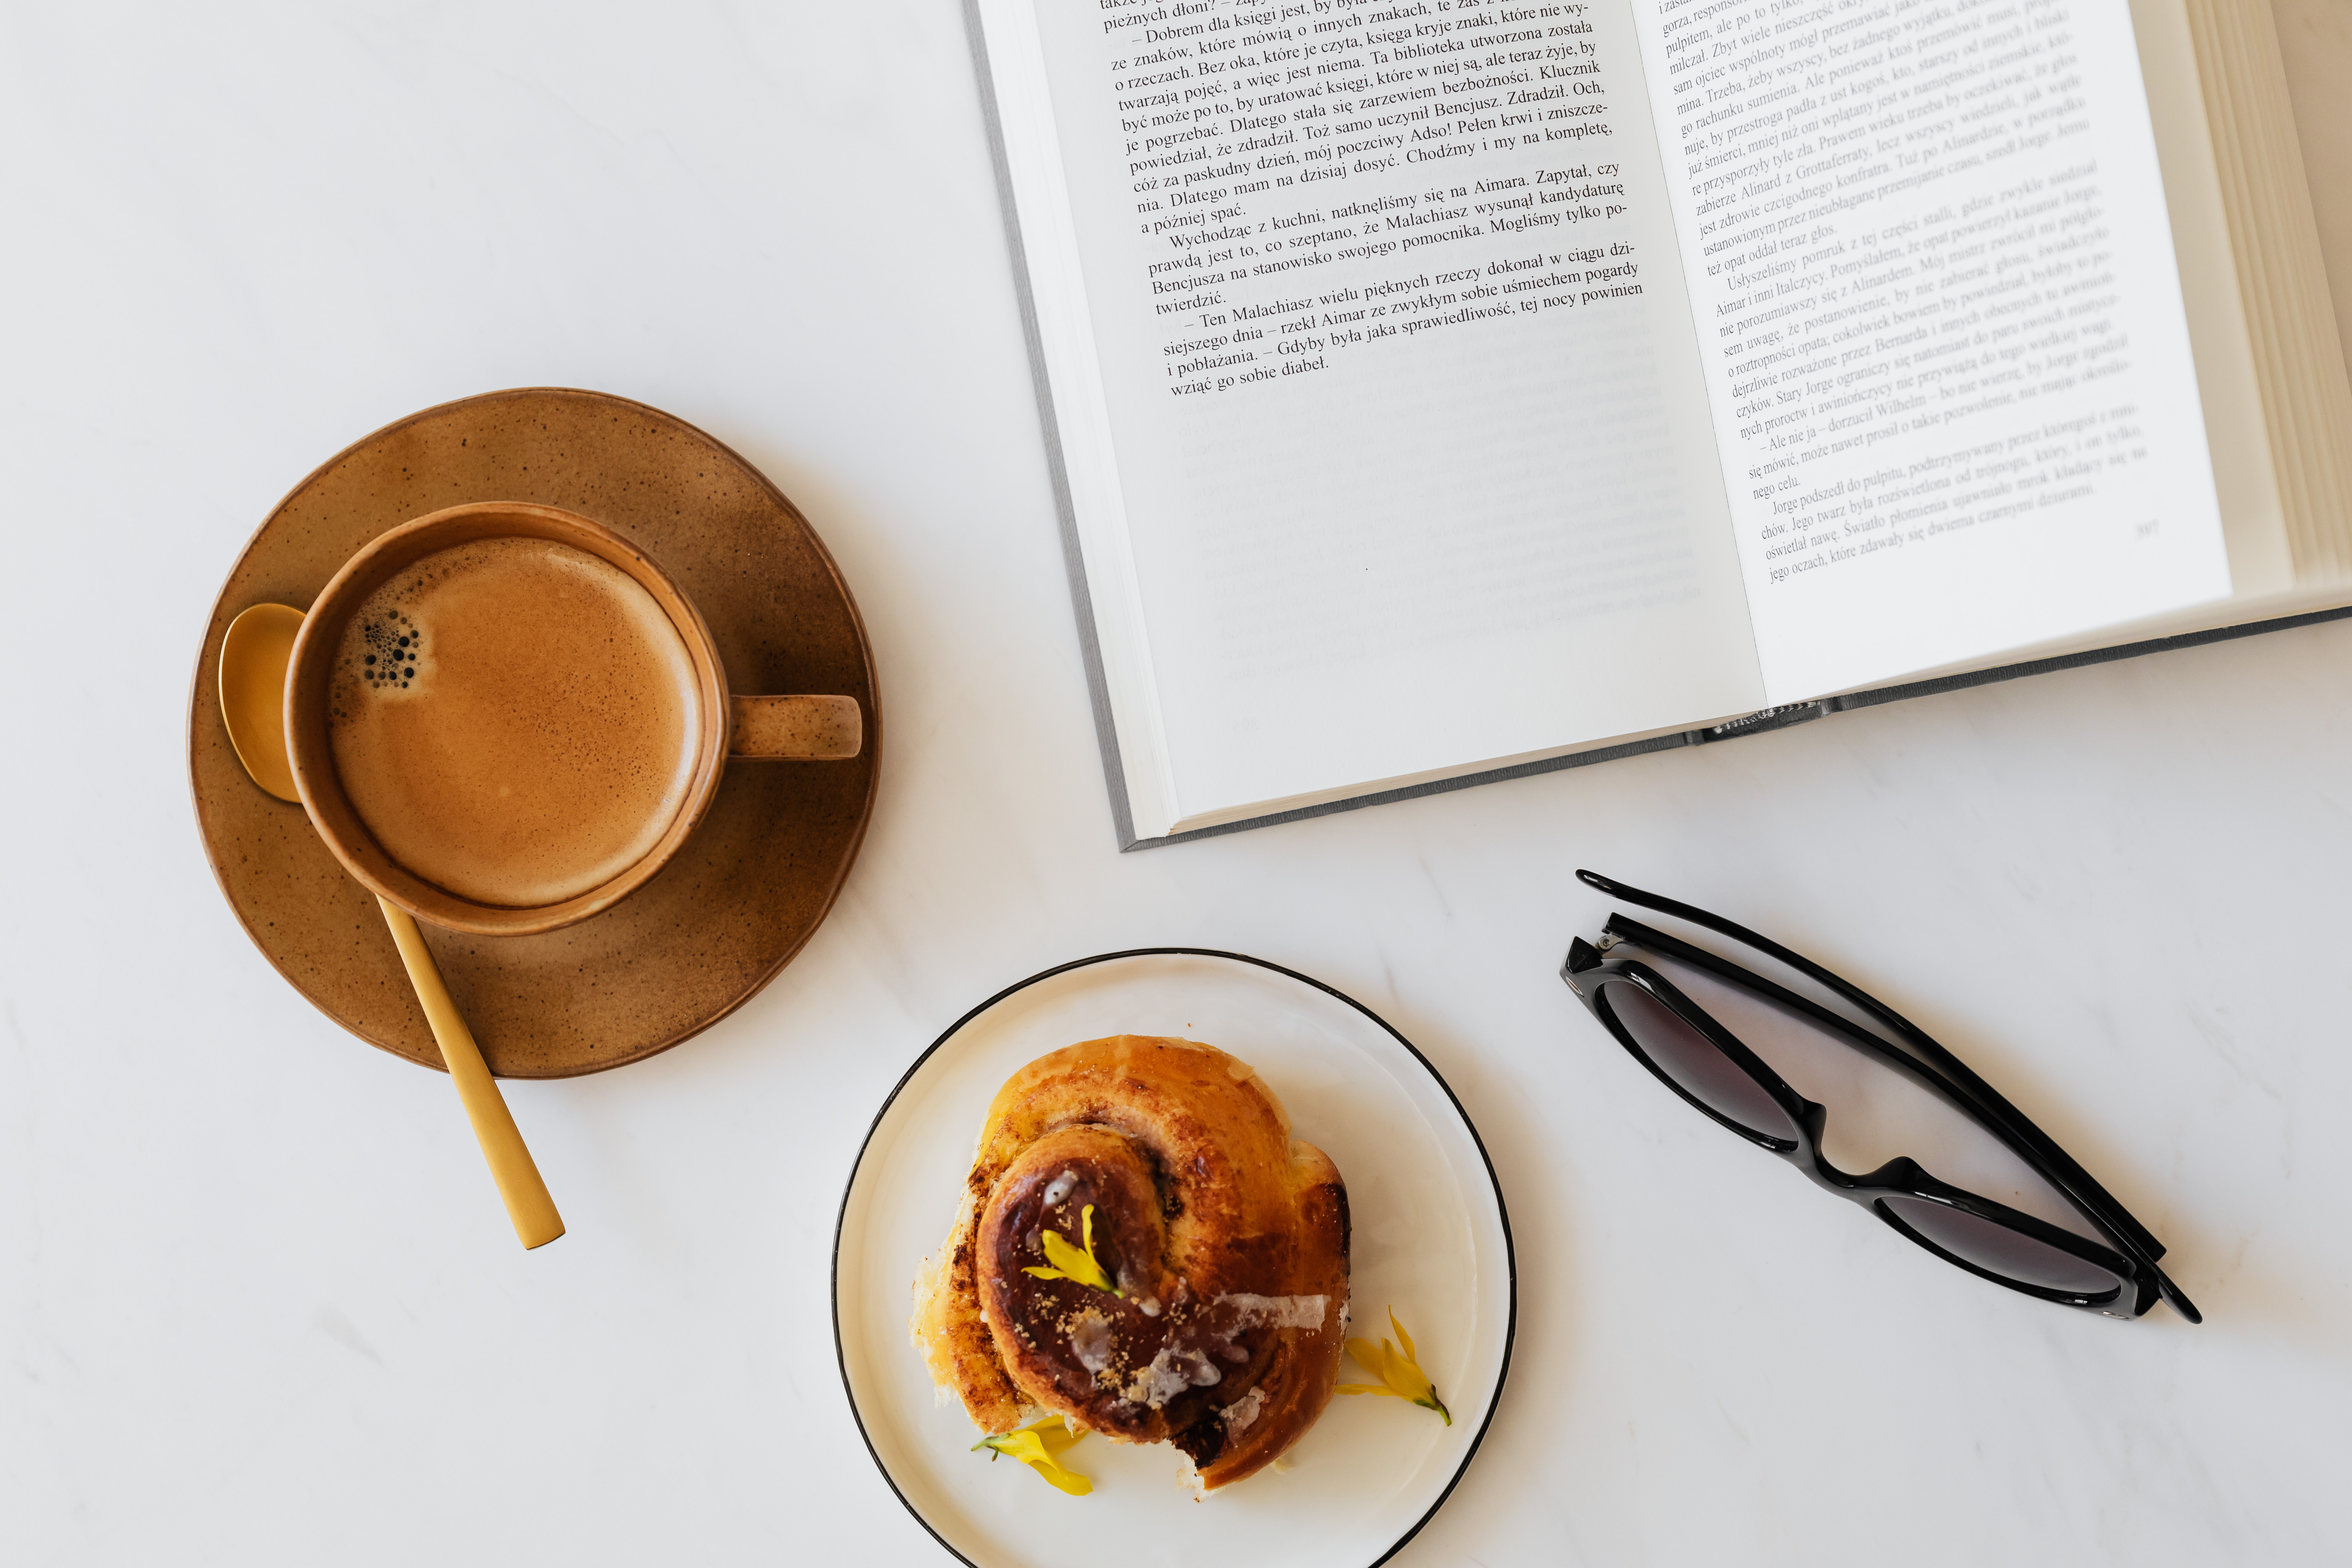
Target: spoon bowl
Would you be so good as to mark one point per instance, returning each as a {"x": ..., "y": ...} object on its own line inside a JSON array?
[{"x": 253, "y": 660}]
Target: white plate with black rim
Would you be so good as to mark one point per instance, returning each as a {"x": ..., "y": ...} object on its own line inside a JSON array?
[{"x": 1430, "y": 1239}]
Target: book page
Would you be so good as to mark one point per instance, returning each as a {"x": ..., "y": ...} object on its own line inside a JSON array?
[
  {"x": 1942, "y": 325},
  {"x": 1413, "y": 468}
]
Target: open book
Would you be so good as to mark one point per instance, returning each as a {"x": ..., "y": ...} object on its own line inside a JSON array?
[{"x": 1447, "y": 386}]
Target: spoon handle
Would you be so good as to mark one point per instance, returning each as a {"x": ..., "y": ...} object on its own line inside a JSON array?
[{"x": 533, "y": 1212}]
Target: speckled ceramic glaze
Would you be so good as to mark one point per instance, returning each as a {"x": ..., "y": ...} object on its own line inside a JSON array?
[{"x": 742, "y": 895}]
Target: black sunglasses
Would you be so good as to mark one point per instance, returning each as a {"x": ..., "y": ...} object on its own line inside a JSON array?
[{"x": 1705, "y": 1062}]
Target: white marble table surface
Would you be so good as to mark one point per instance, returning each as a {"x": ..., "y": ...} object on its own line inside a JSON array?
[{"x": 257, "y": 1302}]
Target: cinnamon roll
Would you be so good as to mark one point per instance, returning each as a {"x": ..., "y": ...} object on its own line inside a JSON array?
[{"x": 1142, "y": 1248}]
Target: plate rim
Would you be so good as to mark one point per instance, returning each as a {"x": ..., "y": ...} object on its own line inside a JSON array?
[{"x": 1494, "y": 1182}]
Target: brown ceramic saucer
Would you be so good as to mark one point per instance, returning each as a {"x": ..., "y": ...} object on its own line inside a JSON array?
[{"x": 746, "y": 891}]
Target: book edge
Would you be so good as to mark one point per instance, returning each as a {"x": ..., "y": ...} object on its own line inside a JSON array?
[
  {"x": 2275, "y": 236},
  {"x": 1766, "y": 719}
]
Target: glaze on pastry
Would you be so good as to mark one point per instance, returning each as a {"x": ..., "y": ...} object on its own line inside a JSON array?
[{"x": 1225, "y": 1239}]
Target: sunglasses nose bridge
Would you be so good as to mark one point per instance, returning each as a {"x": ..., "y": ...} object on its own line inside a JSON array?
[
  {"x": 1811, "y": 1118},
  {"x": 1902, "y": 1173}
]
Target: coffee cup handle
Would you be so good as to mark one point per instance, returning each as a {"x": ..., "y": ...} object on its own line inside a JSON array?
[{"x": 797, "y": 728}]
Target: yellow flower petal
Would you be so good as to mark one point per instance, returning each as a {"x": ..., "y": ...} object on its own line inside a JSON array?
[
  {"x": 1069, "y": 1263},
  {"x": 1399, "y": 1372},
  {"x": 1025, "y": 1446},
  {"x": 1403, "y": 1339},
  {"x": 1035, "y": 1446},
  {"x": 1069, "y": 1481},
  {"x": 1406, "y": 1374}
]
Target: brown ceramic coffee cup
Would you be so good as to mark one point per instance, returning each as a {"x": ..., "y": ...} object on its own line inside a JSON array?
[{"x": 505, "y": 718}]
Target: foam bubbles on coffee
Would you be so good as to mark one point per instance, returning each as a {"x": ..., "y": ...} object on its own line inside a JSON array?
[
  {"x": 394, "y": 644},
  {"x": 515, "y": 720}
]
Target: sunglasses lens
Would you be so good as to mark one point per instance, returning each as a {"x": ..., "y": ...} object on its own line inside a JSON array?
[
  {"x": 1999, "y": 1250},
  {"x": 1689, "y": 1061}
]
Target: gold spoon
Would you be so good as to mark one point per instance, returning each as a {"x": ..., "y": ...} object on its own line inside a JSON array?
[{"x": 253, "y": 705}]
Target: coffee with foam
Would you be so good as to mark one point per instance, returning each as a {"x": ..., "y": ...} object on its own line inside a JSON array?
[{"x": 515, "y": 720}]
